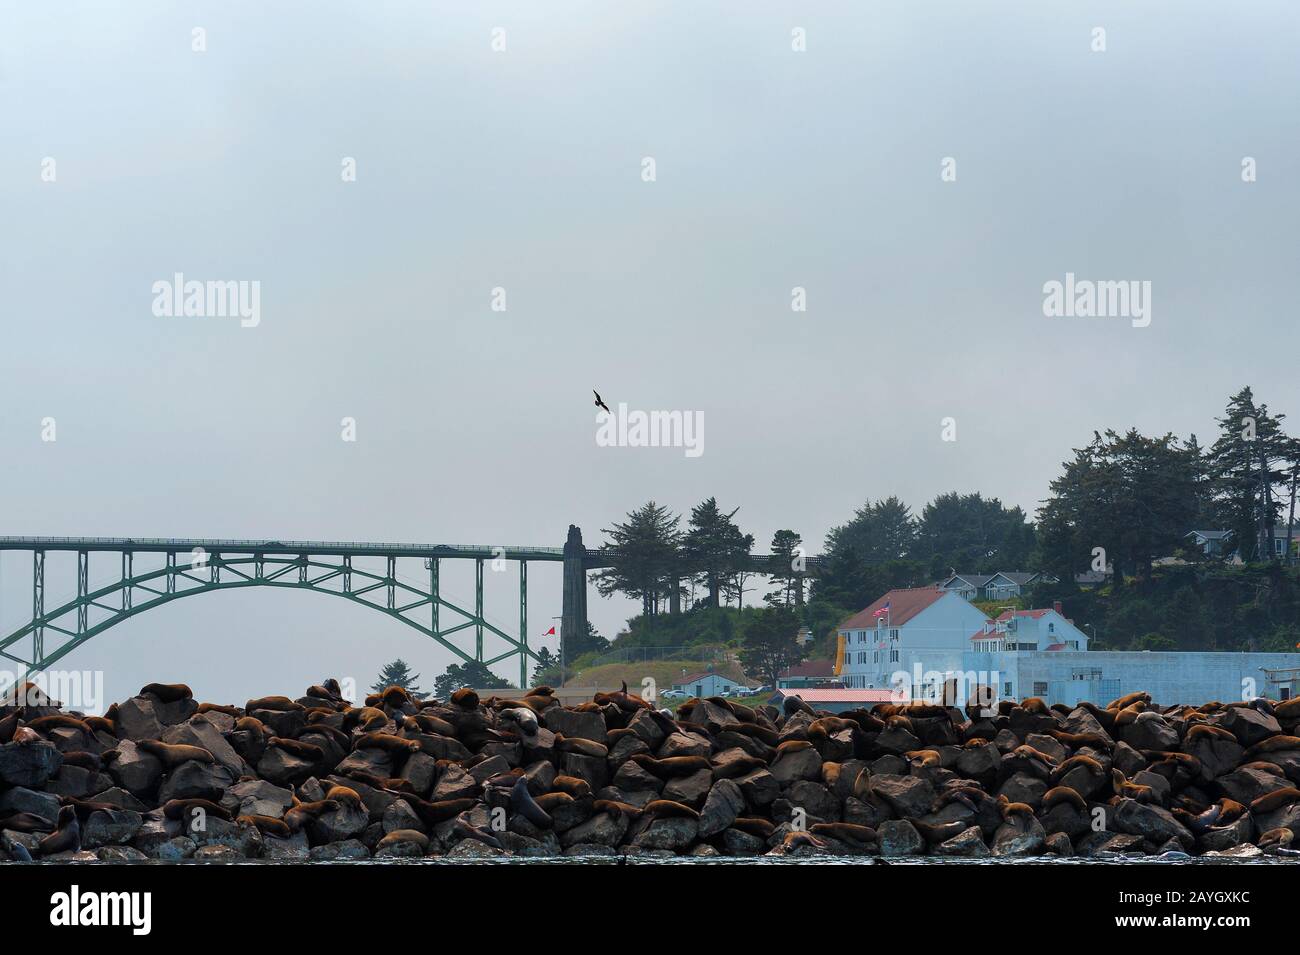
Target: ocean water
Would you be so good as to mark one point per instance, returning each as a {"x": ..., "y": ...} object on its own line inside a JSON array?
[{"x": 724, "y": 860}]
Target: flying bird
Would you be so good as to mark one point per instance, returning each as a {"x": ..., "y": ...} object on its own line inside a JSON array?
[{"x": 599, "y": 402}]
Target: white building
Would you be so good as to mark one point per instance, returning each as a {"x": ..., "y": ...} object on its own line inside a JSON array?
[
  {"x": 927, "y": 643},
  {"x": 708, "y": 684},
  {"x": 904, "y": 626}
]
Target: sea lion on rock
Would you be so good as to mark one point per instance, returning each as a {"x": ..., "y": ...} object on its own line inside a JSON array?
[
  {"x": 368, "y": 717},
  {"x": 800, "y": 839},
  {"x": 524, "y": 720},
  {"x": 1060, "y": 794},
  {"x": 1273, "y": 744},
  {"x": 297, "y": 748},
  {"x": 388, "y": 743},
  {"x": 523, "y": 804},
  {"x": 44, "y": 724},
  {"x": 1126, "y": 701},
  {"x": 1275, "y": 800},
  {"x": 575, "y": 787},
  {"x": 167, "y": 692},
  {"x": 465, "y": 698},
  {"x": 754, "y": 826},
  {"x": 66, "y": 836},
  {"x": 615, "y": 808},
  {"x": 427, "y": 723},
  {"x": 1279, "y": 838},
  {"x": 218, "y": 708},
  {"x": 172, "y": 755},
  {"x": 185, "y": 809},
  {"x": 267, "y": 824},
  {"x": 849, "y": 832},
  {"x": 553, "y": 801},
  {"x": 669, "y": 809},
  {"x": 276, "y": 704},
  {"x": 583, "y": 747}
]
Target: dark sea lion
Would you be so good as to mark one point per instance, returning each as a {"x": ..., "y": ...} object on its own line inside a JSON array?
[
  {"x": 671, "y": 767},
  {"x": 1060, "y": 794},
  {"x": 8, "y": 726},
  {"x": 44, "y": 724},
  {"x": 1275, "y": 800},
  {"x": 800, "y": 839},
  {"x": 101, "y": 724},
  {"x": 583, "y": 747},
  {"x": 297, "y": 748},
  {"x": 167, "y": 692},
  {"x": 575, "y": 787},
  {"x": 845, "y": 832},
  {"x": 91, "y": 761},
  {"x": 404, "y": 835},
  {"x": 1274, "y": 744},
  {"x": 754, "y": 826},
  {"x": 523, "y": 804},
  {"x": 432, "y": 813},
  {"x": 24, "y": 821},
  {"x": 615, "y": 808},
  {"x": 66, "y": 837},
  {"x": 184, "y": 809},
  {"x": 19, "y": 853},
  {"x": 553, "y": 801}
]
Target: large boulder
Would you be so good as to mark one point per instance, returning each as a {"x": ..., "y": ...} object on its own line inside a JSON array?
[
  {"x": 898, "y": 837},
  {"x": 906, "y": 795},
  {"x": 722, "y": 807},
  {"x": 1151, "y": 731},
  {"x": 1153, "y": 823},
  {"x": 576, "y": 725},
  {"x": 137, "y": 719},
  {"x": 28, "y": 764},
  {"x": 110, "y": 827},
  {"x": 195, "y": 780},
  {"x": 258, "y": 797},
  {"x": 1249, "y": 725}
]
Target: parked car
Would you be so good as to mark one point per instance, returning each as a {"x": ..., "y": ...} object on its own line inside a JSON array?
[{"x": 673, "y": 694}]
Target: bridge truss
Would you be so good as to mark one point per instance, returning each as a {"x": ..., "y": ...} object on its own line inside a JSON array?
[{"x": 195, "y": 566}]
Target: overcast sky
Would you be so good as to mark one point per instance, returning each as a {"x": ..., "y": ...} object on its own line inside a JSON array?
[{"x": 522, "y": 169}]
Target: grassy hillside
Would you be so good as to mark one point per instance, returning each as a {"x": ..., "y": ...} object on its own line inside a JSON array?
[{"x": 664, "y": 673}]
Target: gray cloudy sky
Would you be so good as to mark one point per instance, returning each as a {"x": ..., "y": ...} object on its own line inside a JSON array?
[{"x": 522, "y": 169}]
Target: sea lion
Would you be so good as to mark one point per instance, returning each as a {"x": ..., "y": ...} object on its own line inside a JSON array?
[
  {"x": 27, "y": 735},
  {"x": 297, "y": 748},
  {"x": 1275, "y": 800},
  {"x": 1060, "y": 794},
  {"x": 185, "y": 809},
  {"x": 267, "y": 824},
  {"x": 740, "y": 766},
  {"x": 388, "y": 743},
  {"x": 251, "y": 724},
  {"x": 1035, "y": 705},
  {"x": 218, "y": 708},
  {"x": 1126, "y": 701},
  {"x": 799, "y": 839},
  {"x": 1273, "y": 744},
  {"x": 432, "y": 813},
  {"x": 1279, "y": 838},
  {"x": 340, "y": 738},
  {"x": 922, "y": 758},
  {"x": 754, "y": 826},
  {"x": 19, "y": 853},
  {"x": 1014, "y": 812},
  {"x": 396, "y": 697},
  {"x": 368, "y": 717},
  {"x": 1078, "y": 759},
  {"x": 935, "y": 833},
  {"x": 849, "y": 832},
  {"x": 1077, "y": 740},
  {"x": 624, "y": 700},
  {"x": 615, "y": 808},
  {"x": 1200, "y": 731},
  {"x": 172, "y": 755},
  {"x": 427, "y": 723},
  {"x": 1128, "y": 790},
  {"x": 167, "y": 692},
  {"x": 583, "y": 747},
  {"x": 524, "y": 720},
  {"x": 465, "y": 698},
  {"x": 523, "y": 804},
  {"x": 44, "y": 724},
  {"x": 404, "y": 835},
  {"x": 553, "y": 801},
  {"x": 24, "y": 821},
  {"x": 101, "y": 724},
  {"x": 276, "y": 704},
  {"x": 764, "y": 734},
  {"x": 91, "y": 761},
  {"x": 669, "y": 809},
  {"x": 304, "y": 812},
  {"x": 575, "y": 787},
  {"x": 66, "y": 836}
]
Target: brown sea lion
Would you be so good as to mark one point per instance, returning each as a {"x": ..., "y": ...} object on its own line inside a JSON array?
[
  {"x": 44, "y": 724},
  {"x": 615, "y": 808},
  {"x": 800, "y": 839},
  {"x": 583, "y": 747},
  {"x": 267, "y": 824},
  {"x": 1060, "y": 794},
  {"x": 848, "y": 832},
  {"x": 575, "y": 787},
  {"x": 277, "y": 704},
  {"x": 669, "y": 809},
  {"x": 1274, "y": 744},
  {"x": 465, "y": 698},
  {"x": 66, "y": 836},
  {"x": 672, "y": 766},
  {"x": 1126, "y": 701},
  {"x": 1279, "y": 838},
  {"x": 101, "y": 724},
  {"x": 172, "y": 755},
  {"x": 369, "y": 718},
  {"x": 1275, "y": 800},
  {"x": 218, "y": 708},
  {"x": 388, "y": 743},
  {"x": 754, "y": 826}
]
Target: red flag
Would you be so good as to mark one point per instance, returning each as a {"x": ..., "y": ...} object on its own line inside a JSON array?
[{"x": 549, "y": 633}]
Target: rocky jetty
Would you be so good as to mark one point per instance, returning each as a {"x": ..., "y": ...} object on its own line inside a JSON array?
[{"x": 162, "y": 776}]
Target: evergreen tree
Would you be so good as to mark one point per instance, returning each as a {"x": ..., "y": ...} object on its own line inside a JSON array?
[
  {"x": 646, "y": 546},
  {"x": 1248, "y": 463},
  {"x": 785, "y": 544},
  {"x": 471, "y": 674},
  {"x": 967, "y": 533},
  {"x": 397, "y": 673},
  {"x": 715, "y": 548},
  {"x": 881, "y": 531},
  {"x": 768, "y": 644}
]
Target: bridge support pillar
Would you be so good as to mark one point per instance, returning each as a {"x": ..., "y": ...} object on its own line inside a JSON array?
[{"x": 573, "y": 623}]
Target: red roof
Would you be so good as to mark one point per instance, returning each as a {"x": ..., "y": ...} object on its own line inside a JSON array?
[
  {"x": 809, "y": 668},
  {"x": 1057, "y": 646},
  {"x": 903, "y": 606},
  {"x": 1031, "y": 614},
  {"x": 841, "y": 696}
]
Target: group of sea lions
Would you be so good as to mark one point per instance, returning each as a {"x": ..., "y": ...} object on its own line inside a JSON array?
[{"x": 398, "y": 775}]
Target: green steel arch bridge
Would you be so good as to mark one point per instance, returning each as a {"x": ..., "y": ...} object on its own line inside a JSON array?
[{"x": 202, "y": 565}]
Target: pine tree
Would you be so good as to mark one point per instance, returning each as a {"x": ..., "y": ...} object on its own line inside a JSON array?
[
  {"x": 644, "y": 549},
  {"x": 1248, "y": 463},
  {"x": 397, "y": 673},
  {"x": 785, "y": 543},
  {"x": 715, "y": 548}
]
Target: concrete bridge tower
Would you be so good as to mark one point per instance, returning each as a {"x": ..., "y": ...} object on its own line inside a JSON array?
[{"x": 573, "y": 623}]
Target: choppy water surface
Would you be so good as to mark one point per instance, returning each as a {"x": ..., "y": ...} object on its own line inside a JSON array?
[{"x": 729, "y": 860}]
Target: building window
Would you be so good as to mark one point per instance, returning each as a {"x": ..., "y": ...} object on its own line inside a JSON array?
[
  {"x": 1051, "y": 628},
  {"x": 875, "y": 656},
  {"x": 893, "y": 635},
  {"x": 1040, "y": 689},
  {"x": 1006, "y": 689},
  {"x": 893, "y": 656}
]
